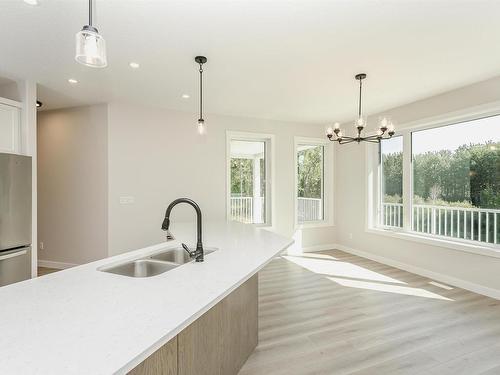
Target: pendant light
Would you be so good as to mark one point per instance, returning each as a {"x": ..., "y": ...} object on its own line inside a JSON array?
[
  {"x": 90, "y": 45},
  {"x": 202, "y": 128}
]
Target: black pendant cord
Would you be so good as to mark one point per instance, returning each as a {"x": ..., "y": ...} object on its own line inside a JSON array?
[
  {"x": 360, "y": 88},
  {"x": 201, "y": 91},
  {"x": 90, "y": 12},
  {"x": 359, "y": 127}
]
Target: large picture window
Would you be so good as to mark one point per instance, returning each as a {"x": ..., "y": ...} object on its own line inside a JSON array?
[
  {"x": 443, "y": 181},
  {"x": 456, "y": 180}
]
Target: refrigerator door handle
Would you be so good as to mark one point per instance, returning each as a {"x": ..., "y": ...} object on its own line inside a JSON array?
[{"x": 12, "y": 255}]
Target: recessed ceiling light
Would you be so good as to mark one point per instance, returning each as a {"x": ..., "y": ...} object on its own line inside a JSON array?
[
  {"x": 185, "y": 96},
  {"x": 134, "y": 65},
  {"x": 32, "y": 2},
  {"x": 72, "y": 81}
]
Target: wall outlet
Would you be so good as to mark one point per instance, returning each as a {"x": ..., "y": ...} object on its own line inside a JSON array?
[
  {"x": 41, "y": 245},
  {"x": 350, "y": 236},
  {"x": 127, "y": 200}
]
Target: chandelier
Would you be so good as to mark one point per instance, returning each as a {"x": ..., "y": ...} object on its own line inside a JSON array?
[{"x": 385, "y": 130}]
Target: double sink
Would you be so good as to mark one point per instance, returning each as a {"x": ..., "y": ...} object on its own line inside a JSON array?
[{"x": 153, "y": 264}]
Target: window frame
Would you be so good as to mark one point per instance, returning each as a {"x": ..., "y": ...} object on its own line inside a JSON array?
[
  {"x": 328, "y": 187},
  {"x": 373, "y": 186},
  {"x": 269, "y": 161}
]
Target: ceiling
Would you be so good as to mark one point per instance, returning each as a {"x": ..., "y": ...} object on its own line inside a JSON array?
[{"x": 275, "y": 59}]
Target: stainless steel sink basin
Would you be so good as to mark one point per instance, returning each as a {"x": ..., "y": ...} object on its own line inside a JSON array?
[
  {"x": 153, "y": 265},
  {"x": 179, "y": 255},
  {"x": 141, "y": 268},
  {"x": 173, "y": 255}
]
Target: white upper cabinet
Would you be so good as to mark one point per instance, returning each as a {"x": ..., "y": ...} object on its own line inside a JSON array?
[{"x": 10, "y": 129}]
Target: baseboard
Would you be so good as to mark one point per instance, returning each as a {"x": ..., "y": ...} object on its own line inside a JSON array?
[
  {"x": 459, "y": 283},
  {"x": 56, "y": 265},
  {"x": 312, "y": 249}
]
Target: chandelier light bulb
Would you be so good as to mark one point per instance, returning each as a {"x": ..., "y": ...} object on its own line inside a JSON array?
[
  {"x": 339, "y": 134},
  {"x": 383, "y": 123},
  {"x": 336, "y": 125},
  {"x": 360, "y": 122},
  {"x": 329, "y": 131}
]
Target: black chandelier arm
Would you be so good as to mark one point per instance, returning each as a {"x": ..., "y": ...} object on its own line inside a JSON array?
[
  {"x": 373, "y": 137},
  {"x": 337, "y": 138},
  {"x": 346, "y": 140},
  {"x": 340, "y": 139},
  {"x": 372, "y": 140}
]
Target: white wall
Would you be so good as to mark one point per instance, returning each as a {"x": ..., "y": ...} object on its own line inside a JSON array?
[
  {"x": 156, "y": 156},
  {"x": 72, "y": 185},
  {"x": 469, "y": 269}
]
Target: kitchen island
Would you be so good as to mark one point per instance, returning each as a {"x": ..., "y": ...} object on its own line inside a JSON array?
[{"x": 85, "y": 321}]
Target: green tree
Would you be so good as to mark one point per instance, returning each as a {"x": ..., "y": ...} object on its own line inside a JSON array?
[
  {"x": 469, "y": 175},
  {"x": 241, "y": 177},
  {"x": 392, "y": 166},
  {"x": 309, "y": 172}
]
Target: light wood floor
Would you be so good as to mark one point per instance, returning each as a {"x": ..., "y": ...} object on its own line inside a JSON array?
[
  {"x": 45, "y": 271},
  {"x": 335, "y": 313}
]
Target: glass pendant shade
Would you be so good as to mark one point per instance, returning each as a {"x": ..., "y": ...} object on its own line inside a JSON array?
[
  {"x": 91, "y": 48},
  {"x": 202, "y": 130}
]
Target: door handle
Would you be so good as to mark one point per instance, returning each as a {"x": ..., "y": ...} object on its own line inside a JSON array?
[{"x": 12, "y": 255}]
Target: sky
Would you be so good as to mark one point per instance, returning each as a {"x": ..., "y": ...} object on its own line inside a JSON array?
[{"x": 449, "y": 137}]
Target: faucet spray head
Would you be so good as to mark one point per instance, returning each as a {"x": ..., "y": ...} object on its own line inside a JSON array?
[{"x": 170, "y": 236}]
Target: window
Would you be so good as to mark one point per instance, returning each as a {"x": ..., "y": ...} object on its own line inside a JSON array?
[
  {"x": 248, "y": 177},
  {"x": 312, "y": 166},
  {"x": 456, "y": 180},
  {"x": 391, "y": 164},
  {"x": 442, "y": 181}
]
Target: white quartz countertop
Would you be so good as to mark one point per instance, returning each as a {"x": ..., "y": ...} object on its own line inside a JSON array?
[{"x": 84, "y": 321}]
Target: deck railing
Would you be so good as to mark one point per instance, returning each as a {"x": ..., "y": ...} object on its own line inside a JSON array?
[
  {"x": 242, "y": 209},
  {"x": 392, "y": 214},
  {"x": 473, "y": 224},
  {"x": 309, "y": 209}
]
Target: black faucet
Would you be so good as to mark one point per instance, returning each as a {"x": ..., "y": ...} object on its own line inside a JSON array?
[{"x": 198, "y": 253}]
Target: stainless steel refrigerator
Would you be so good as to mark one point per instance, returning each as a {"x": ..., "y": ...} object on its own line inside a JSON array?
[{"x": 15, "y": 218}]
